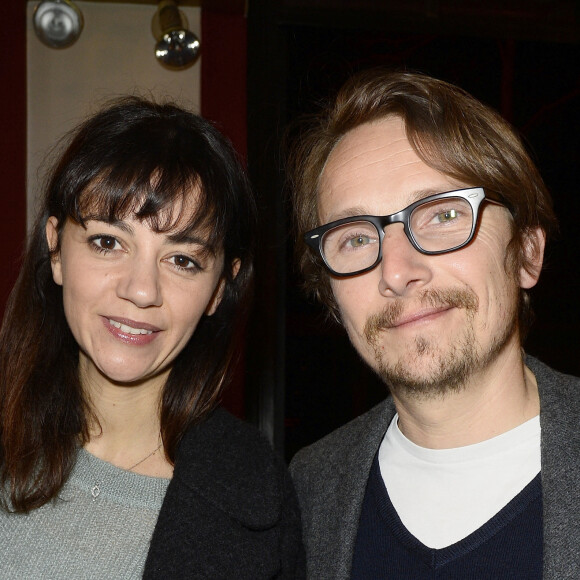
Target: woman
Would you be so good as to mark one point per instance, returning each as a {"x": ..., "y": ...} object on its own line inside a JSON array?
[{"x": 116, "y": 344}]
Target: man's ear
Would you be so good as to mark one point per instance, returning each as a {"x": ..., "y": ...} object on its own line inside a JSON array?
[
  {"x": 52, "y": 239},
  {"x": 534, "y": 243},
  {"x": 219, "y": 291}
]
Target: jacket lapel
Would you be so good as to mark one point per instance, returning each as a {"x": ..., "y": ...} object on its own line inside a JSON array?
[
  {"x": 331, "y": 500},
  {"x": 560, "y": 423}
]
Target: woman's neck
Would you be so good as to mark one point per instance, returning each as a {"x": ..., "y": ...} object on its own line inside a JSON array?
[{"x": 126, "y": 428}]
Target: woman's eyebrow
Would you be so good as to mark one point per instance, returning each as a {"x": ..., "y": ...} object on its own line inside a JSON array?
[
  {"x": 188, "y": 238},
  {"x": 350, "y": 212},
  {"x": 119, "y": 224},
  {"x": 185, "y": 237}
]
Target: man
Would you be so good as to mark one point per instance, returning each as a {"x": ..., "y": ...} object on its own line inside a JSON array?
[{"x": 426, "y": 222}]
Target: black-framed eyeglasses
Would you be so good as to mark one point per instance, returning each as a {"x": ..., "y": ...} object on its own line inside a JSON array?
[{"x": 437, "y": 224}]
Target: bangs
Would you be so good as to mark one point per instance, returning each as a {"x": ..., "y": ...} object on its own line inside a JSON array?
[
  {"x": 157, "y": 164},
  {"x": 168, "y": 201}
]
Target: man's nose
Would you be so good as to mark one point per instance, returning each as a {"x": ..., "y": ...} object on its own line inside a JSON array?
[
  {"x": 140, "y": 283},
  {"x": 402, "y": 266}
]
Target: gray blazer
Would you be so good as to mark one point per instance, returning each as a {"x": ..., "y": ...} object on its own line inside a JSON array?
[{"x": 331, "y": 475}]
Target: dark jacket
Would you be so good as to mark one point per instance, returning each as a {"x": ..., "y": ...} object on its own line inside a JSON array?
[
  {"x": 230, "y": 510},
  {"x": 331, "y": 478}
]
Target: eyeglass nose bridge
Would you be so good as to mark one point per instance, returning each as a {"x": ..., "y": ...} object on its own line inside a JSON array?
[{"x": 400, "y": 217}]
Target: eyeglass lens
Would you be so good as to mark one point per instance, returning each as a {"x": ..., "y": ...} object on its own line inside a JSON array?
[{"x": 436, "y": 226}]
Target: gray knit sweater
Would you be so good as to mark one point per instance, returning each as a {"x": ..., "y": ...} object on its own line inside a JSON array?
[{"x": 81, "y": 536}]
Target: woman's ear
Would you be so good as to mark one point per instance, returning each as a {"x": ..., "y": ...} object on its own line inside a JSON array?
[
  {"x": 236, "y": 267},
  {"x": 216, "y": 298},
  {"x": 52, "y": 240},
  {"x": 534, "y": 243},
  {"x": 219, "y": 291}
]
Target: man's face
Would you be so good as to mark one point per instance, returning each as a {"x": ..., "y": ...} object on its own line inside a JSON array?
[{"x": 426, "y": 324}]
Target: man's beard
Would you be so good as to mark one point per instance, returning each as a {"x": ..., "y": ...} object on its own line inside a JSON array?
[{"x": 453, "y": 365}]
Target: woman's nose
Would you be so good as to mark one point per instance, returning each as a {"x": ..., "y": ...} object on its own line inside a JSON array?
[{"x": 140, "y": 283}]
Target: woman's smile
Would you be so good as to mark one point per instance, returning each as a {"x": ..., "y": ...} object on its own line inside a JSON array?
[{"x": 131, "y": 332}]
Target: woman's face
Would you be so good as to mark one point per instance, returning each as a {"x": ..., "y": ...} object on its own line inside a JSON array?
[{"x": 133, "y": 297}]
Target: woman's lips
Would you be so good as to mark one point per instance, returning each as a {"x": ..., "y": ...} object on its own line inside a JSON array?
[{"x": 130, "y": 331}]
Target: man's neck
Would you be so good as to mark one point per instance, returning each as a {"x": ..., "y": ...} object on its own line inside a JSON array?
[{"x": 495, "y": 400}]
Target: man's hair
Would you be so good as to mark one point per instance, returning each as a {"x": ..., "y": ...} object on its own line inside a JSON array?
[
  {"x": 450, "y": 131},
  {"x": 140, "y": 159}
]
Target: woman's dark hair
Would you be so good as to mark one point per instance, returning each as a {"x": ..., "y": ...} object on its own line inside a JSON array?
[{"x": 136, "y": 158}]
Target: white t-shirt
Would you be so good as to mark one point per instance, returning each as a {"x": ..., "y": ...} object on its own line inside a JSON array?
[{"x": 443, "y": 495}]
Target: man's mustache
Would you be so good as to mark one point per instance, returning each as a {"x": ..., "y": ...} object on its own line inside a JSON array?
[{"x": 393, "y": 312}]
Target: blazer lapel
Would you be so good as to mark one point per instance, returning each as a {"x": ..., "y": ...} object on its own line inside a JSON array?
[
  {"x": 331, "y": 494},
  {"x": 560, "y": 423}
]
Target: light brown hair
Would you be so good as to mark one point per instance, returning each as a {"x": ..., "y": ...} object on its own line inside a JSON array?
[{"x": 449, "y": 130}]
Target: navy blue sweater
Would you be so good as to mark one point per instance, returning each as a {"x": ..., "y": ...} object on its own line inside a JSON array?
[{"x": 507, "y": 547}]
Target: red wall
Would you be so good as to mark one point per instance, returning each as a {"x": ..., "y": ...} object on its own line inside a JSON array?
[
  {"x": 223, "y": 101},
  {"x": 12, "y": 142},
  {"x": 223, "y": 73}
]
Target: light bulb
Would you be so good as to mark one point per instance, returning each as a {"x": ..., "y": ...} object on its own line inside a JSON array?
[
  {"x": 177, "y": 47},
  {"x": 57, "y": 23}
]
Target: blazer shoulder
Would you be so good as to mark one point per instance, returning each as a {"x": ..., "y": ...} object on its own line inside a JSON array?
[{"x": 345, "y": 446}]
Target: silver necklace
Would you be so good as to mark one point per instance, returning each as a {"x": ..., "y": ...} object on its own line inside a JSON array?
[
  {"x": 96, "y": 490},
  {"x": 146, "y": 457}
]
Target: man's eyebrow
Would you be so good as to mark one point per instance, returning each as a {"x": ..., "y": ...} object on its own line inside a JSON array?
[
  {"x": 349, "y": 212},
  {"x": 423, "y": 193},
  {"x": 413, "y": 197}
]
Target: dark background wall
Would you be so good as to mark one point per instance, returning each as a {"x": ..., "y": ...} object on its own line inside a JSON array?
[{"x": 520, "y": 58}]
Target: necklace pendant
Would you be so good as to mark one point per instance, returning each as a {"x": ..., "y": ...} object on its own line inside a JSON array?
[{"x": 95, "y": 491}]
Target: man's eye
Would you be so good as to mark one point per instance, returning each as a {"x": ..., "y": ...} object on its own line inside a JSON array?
[
  {"x": 447, "y": 216},
  {"x": 359, "y": 241}
]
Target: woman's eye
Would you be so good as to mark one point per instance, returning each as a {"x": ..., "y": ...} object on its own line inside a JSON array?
[
  {"x": 105, "y": 243},
  {"x": 184, "y": 263}
]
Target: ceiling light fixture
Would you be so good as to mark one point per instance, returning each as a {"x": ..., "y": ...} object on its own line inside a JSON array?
[
  {"x": 177, "y": 47},
  {"x": 57, "y": 23}
]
